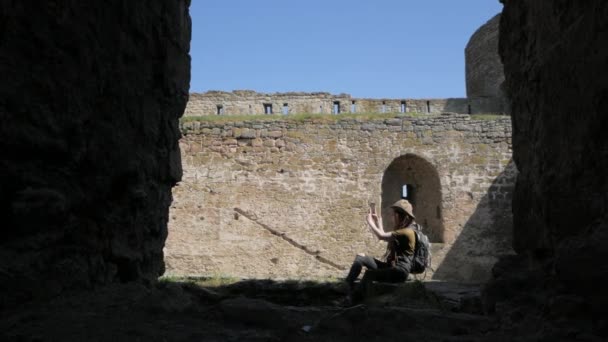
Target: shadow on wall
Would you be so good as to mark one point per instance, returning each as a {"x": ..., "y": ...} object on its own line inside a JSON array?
[
  {"x": 486, "y": 235},
  {"x": 457, "y": 105},
  {"x": 477, "y": 105}
]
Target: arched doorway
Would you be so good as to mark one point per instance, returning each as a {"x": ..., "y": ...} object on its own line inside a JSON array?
[{"x": 424, "y": 192}]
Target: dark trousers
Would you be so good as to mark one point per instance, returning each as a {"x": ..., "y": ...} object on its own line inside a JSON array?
[{"x": 376, "y": 271}]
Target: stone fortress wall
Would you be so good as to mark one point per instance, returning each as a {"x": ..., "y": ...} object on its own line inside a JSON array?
[
  {"x": 287, "y": 198},
  {"x": 247, "y": 102}
]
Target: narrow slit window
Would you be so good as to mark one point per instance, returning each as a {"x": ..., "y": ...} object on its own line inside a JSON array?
[
  {"x": 220, "y": 110},
  {"x": 407, "y": 193},
  {"x": 403, "y": 107},
  {"x": 285, "y": 108},
  {"x": 267, "y": 108},
  {"x": 469, "y": 109},
  {"x": 336, "y": 107}
]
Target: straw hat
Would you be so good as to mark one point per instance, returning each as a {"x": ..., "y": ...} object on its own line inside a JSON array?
[{"x": 405, "y": 206}]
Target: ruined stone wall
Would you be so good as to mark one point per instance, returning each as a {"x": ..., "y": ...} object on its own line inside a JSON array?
[
  {"x": 427, "y": 106},
  {"x": 555, "y": 56},
  {"x": 288, "y": 198},
  {"x": 90, "y": 97},
  {"x": 246, "y": 102}
]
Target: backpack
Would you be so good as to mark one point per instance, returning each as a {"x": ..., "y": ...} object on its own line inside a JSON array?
[{"x": 422, "y": 253}]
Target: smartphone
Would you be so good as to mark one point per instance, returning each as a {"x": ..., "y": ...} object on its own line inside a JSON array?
[{"x": 372, "y": 207}]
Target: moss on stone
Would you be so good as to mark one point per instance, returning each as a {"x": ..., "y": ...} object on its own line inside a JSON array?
[
  {"x": 478, "y": 159},
  {"x": 482, "y": 147}
]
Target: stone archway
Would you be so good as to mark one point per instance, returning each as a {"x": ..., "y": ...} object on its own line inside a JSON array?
[{"x": 425, "y": 194}]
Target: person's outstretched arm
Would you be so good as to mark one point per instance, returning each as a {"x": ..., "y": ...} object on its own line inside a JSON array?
[{"x": 375, "y": 224}]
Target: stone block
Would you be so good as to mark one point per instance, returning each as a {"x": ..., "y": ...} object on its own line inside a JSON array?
[
  {"x": 275, "y": 134},
  {"x": 248, "y": 133},
  {"x": 230, "y": 142}
]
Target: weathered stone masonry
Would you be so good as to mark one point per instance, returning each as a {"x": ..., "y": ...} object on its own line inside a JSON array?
[
  {"x": 288, "y": 198},
  {"x": 555, "y": 55},
  {"x": 90, "y": 99},
  {"x": 247, "y": 102}
]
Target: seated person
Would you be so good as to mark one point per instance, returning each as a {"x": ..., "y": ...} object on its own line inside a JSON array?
[{"x": 399, "y": 251}]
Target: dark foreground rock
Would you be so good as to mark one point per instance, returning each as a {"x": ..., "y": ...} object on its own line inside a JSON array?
[
  {"x": 187, "y": 311},
  {"x": 555, "y": 57},
  {"x": 90, "y": 97}
]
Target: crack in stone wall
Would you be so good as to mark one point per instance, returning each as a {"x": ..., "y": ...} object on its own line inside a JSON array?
[{"x": 283, "y": 236}]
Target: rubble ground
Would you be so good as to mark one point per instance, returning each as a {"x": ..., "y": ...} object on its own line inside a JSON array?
[{"x": 191, "y": 309}]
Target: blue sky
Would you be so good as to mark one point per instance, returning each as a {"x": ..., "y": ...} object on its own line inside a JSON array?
[{"x": 381, "y": 48}]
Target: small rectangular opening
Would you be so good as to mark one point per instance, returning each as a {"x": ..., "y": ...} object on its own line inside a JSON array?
[
  {"x": 403, "y": 107},
  {"x": 220, "y": 110},
  {"x": 353, "y": 107},
  {"x": 285, "y": 108},
  {"x": 469, "y": 109},
  {"x": 267, "y": 108},
  {"x": 428, "y": 106},
  {"x": 336, "y": 107},
  {"x": 407, "y": 192}
]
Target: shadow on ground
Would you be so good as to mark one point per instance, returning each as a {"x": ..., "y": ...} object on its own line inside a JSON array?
[{"x": 248, "y": 310}]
